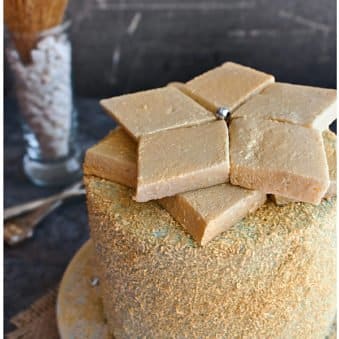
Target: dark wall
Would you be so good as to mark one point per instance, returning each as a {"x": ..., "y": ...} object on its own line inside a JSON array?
[{"x": 128, "y": 45}]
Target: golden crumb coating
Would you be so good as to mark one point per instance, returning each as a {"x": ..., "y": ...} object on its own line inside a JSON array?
[{"x": 272, "y": 275}]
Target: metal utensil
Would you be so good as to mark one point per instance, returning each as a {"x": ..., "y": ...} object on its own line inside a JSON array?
[
  {"x": 74, "y": 190},
  {"x": 22, "y": 227}
]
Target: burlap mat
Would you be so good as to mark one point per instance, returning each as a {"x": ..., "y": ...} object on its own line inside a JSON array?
[{"x": 38, "y": 321}]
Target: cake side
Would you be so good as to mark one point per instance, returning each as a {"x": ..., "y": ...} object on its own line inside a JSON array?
[{"x": 256, "y": 280}]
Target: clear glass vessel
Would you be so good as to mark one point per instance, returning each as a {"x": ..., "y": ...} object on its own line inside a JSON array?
[{"x": 43, "y": 87}]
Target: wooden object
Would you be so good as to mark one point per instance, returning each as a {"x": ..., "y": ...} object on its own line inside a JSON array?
[
  {"x": 79, "y": 306},
  {"x": 25, "y": 19}
]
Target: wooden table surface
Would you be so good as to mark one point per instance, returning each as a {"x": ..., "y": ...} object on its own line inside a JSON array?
[{"x": 34, "y": 267}]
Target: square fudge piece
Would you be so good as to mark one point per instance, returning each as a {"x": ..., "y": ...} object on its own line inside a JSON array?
[
  {"x": 182, "y": 160},
  {"x": 303, "y": 105},
  {"x": 330, "y": 140},
  {"x": 155, "y": 110},
  {"x": 207, "y": 212},
  {"x": 113, "y": 158},
  {"x": 228, "y": 85},
  {"x": 278, "y": 158}
]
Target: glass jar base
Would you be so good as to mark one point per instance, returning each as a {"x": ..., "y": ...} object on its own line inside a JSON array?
[{"x": 52, "y": 174}]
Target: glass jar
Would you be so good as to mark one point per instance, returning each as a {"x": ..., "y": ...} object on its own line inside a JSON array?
[{"x": 43, "y": 87}]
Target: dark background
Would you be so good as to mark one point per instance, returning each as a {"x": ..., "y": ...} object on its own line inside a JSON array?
[
  {"x": 124, "y": 46},
  {"x": 129, "y": 45}
]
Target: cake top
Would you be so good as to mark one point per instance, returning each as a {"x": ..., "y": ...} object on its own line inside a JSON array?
[
  {"x": 202, "y": 211},
  {"x": 154, "y": 227},
  {"x": 275, "y": 145}
]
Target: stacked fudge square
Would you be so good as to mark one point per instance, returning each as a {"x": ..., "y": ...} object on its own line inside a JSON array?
[{"x": 209, "y": 173}]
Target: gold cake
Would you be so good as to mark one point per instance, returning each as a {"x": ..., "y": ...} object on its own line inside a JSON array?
[
  {"x": 261, "y": 270},
  {"x": 272, "y": 275}
]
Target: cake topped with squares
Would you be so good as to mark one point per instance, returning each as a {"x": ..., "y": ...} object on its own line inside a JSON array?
[{"x": 188, "y": 238}]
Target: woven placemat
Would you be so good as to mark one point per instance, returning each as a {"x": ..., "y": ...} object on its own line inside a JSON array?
[{"x": 38, "y": 321}]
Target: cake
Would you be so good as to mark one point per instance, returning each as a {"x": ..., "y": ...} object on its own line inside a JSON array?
[{"x": 271, "y": 273}]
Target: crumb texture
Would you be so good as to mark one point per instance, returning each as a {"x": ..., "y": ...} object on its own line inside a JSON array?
[{"x": 272, "y": 275}]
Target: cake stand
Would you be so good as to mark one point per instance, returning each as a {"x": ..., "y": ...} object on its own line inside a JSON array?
[{"x": 79, "y": 308}]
